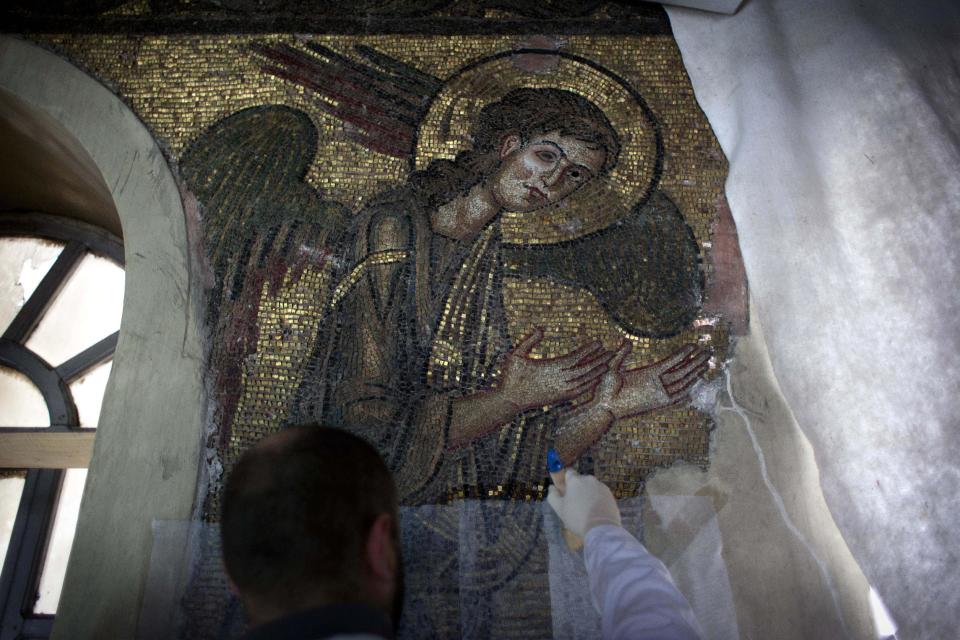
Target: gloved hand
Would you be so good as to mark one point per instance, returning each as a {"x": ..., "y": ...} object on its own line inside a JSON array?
[{"x": 584, "y": 503}]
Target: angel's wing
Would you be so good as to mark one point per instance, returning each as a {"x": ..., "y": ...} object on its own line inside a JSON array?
[
  {"x": 269, "y": 239},
  {"x": 644, "y": 269},
  {"x": 382, "y": 100},
  {"x": 247, "y": 171}
]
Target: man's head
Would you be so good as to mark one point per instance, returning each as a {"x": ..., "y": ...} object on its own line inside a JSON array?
[{"x": 310, "y": 518}]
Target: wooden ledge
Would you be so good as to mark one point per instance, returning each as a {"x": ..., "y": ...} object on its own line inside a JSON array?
[{"x": 43, "y": 449}]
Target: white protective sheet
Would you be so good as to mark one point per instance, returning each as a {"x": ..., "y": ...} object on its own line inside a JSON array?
[{"x": 841, "y": 122}]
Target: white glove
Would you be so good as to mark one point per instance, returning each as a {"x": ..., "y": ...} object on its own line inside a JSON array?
[{"x": 584, "y": 503}]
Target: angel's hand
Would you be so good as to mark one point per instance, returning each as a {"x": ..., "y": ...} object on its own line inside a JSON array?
[
  {"x": 527, "y": 382},
  {"x": 662, "y": 383},
  {"x": 584, "y": 426},
  {"x": 607, "y": 394}
]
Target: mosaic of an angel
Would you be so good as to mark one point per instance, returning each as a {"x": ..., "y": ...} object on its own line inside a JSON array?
[
  {"x": 417, "y": 345},
  {"x": 417, "y": 354},
  {"x": 526, "y": 285}
]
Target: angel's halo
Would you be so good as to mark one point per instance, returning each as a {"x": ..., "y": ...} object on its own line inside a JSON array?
[{"x": 445, "y": 129}]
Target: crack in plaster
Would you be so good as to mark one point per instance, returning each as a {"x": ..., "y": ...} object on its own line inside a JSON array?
[{"x": 778, "y": 499}]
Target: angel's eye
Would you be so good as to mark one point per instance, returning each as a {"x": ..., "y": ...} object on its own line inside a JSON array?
[
  {"x": 575, "y": 174},
  {"x": 547, "y": 156}
]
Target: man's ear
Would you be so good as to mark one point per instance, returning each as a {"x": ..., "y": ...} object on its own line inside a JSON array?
[
  {"x": 508, "y": 144},
  {"x": 381, "y": 554}
]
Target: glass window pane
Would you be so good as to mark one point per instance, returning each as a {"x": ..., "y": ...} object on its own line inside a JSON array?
[
  {"x": 21, "y": 403},
  {"x": 11, "y": 488},
  {"x": 88, "y": 394},
  {"x": 87, "y": 310},
  {"x": 61, "y": 539},
  {"x": 23, "y": 263}
]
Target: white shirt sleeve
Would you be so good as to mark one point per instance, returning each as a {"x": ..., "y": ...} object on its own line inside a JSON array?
[{"x": 633, "y": 590}]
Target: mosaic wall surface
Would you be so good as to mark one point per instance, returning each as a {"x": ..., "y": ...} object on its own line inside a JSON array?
[{"x": 466, "y": 248}]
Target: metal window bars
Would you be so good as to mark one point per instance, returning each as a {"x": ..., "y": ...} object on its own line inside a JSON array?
[{"x": 23, "y": 565}]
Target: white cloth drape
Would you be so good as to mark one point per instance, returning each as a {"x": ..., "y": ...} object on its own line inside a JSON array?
[{"x": 841, "y": 121}]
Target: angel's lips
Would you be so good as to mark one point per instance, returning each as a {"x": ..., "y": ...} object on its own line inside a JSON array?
[{"x": 536, "y": 194}]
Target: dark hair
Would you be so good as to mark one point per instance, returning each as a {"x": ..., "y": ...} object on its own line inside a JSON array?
[
  {"x": 297, "y": 510},
  {"x": 524, "y": 112}
]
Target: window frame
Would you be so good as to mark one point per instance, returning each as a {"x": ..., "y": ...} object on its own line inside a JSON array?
[{"x": 23, "y": 566}]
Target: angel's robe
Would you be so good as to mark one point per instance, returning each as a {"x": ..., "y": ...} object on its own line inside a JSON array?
[{"x": 416, "y": 321}]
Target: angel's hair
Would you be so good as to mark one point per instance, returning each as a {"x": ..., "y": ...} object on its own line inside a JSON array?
[{"x": 523, "y": 112}]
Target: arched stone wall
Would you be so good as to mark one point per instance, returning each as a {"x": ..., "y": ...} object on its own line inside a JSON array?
[
  {"x": 46, "y": 169},
  {"x": 146, "y": 459}
]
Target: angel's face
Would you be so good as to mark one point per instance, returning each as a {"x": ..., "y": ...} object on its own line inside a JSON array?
[{"x": 544, "y": 170}]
